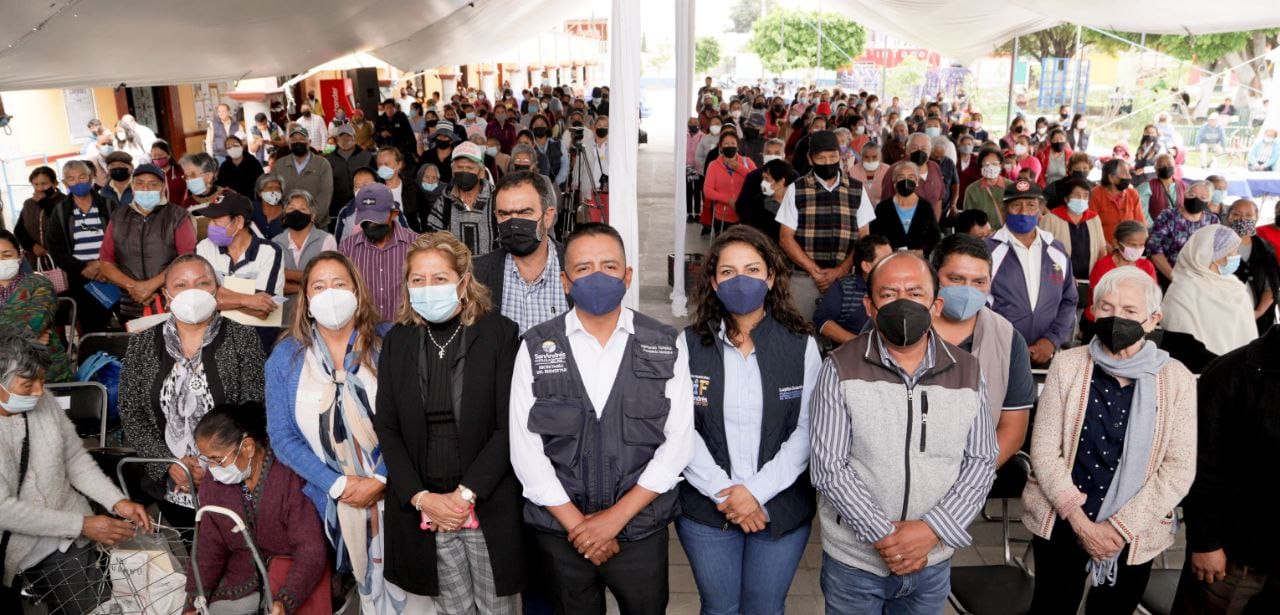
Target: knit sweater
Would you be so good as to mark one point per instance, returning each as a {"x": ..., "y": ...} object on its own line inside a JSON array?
[
  {"x": 59, "y": 470},
  {"x": 1147, "y": 520}
]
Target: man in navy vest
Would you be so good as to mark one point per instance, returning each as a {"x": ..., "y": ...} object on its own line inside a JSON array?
[{"x": 601, "y": 428}]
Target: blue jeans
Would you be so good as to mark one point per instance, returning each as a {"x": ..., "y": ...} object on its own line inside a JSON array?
[
  {"x": 850, "y": 590},
  {"x": 741, "y": 573}
]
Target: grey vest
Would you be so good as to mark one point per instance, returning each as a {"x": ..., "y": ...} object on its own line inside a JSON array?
[
  {"x": 992, "y": 339},
  {"x": 144, "y": 244},
  {"x": 311, "y": 247},
  {"x": 220, "y": 135},
  {"x": 780, "y": 355},
  {"x": 599, "y": 460}
]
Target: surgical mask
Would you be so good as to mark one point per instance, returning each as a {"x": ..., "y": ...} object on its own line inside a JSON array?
[
  {"x": 19, "y": 404},
  {"x": 715, "y": 129},
  {"x": 766, "y": 187},
  {"x": 903, "y": 322},
  {"x": 1117, "y": 333},
  {"x": 235, "y": 152},
  {"x": 870, "y": 166},
  {"x": 219, "y": 236},
  {"x": 197, "y": 185},
  {"x": 297, "y": 220},
  {"x": 162, "y": 161},
  {"x": 1020, "y": 149},
  {"x": 465, "y": 180},
  {"x": 1244, "y": 228},
  {"x": 961, "y": 302},
  {"x": 1229, "y": 269},
  {"x": 1078, "y": 206},
  {"x": 1021, "y": 223},
  {"x": 435, "y": 303},
  {"x": 9, "y": 268},
  {"x": 990, "y": 171},
  {"x": 119, "y": 174},
  {"x": 471, "y": 115},
  {"x": 193, "y": 306},
  {"x": 857, "y": 130},
  {"x": 1219, "y": 196},
  {"x": 519, "y": 236},
  {"x": 491, "y": 151},
  {"x": 966, "y": 149},
  {"x": 429, "y": 186},
  {"x": 230, "y": 475},
  {"x": 385, "y": 172},
  {"x": 767, "y": 158},
  {"x": 742, "y": 294},
  {"x": 328, "y": 148},
  {"x": 147, "y": 200},
  {"x": 333, "y": 308},
  {"x": 271, "y": 197},
  {"x": 81, "y": 189},
  {"x": 932, "y": 131},
  {"x": 106, "y": 150},
  {"x": 598, "y": 293},
  {"x": 905, "y": 187}
]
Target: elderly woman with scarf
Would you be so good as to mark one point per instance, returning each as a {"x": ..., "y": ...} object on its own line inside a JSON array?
[
  {"x": 176, "y": 372},
  {"x": 1206, "y": 301},
  {"x": 320, "y": 419},
  {"x": 28, "y": 300},
  {"x": 1113, "y": 453}
]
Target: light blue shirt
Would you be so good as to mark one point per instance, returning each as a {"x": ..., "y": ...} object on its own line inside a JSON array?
[
  {"x": 299, "y": 166},
  {"x": 743, "y": 414}
]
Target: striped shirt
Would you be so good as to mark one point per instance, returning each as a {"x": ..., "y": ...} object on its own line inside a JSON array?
[
  {"x": 262, "y": 262},
  {"x": 87, "y": 231},
  {"x": 381, "y": 267},
  {"x": 831, "y": 435},
  {"x": 532, "y": 304}
]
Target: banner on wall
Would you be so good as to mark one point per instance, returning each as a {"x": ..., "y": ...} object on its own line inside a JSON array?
[{"x": 335, "y": 94}]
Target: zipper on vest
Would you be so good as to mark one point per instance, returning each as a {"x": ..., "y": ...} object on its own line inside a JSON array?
[
  {"x": 906, "y": 453},
  {"x": 924, "y": 418},
  {"x": 599, "y": 492}
]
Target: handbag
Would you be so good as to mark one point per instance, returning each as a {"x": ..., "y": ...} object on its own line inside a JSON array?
[{"x": 54, "y": 274}]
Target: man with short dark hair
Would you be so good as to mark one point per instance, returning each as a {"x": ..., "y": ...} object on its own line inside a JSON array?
[
  {"x": 303, "y": 170},
  {"x": 118, "y": 191},
  {"x": 264, "y": 137},
  {"x": 392, "y": 128},
  {"x": 974, "y": 222},
  {"x": 343, "y": 162},
  {"x": 841, "y": 316},
  {"x": 379, "y": 247}
]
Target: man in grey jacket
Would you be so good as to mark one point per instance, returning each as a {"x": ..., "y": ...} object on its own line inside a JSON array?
[{"x": 903, "y": 450}]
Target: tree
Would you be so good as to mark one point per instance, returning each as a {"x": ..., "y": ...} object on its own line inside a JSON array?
[
  {"x": 745, "y": 12},
  {"x": 786, "y": 39},
  {"x": 1056, "y": 42},
  {"x": 706, "y": 54}
]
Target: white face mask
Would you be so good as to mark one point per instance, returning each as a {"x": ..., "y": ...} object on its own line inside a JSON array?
[
  {"x": 871, "y": 165},
  {"x": 715, "y": 129},
  {"x": 333, "y": 308},
  {"x": 193, "y": 306},
  {"x": 1020, "y": 149},
  {"x": 235, "y": 152},
  {"x": 991, "y": 171},
  {"x": 770, "y": 158},
  {"x": 766, "y": 187},
  {"x": 857, "y": 130},
  {"x": 19, "y": 404},
  {"x": 272, "y": 197},
  {"x": 9, "y": 268},
  {"x": 231, "y": 475},
  {"x": 1132, "y": 253}
]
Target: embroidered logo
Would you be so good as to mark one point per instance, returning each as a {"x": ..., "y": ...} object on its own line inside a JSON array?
[
  {"x": 786, "y": 393},
  {"x": 700, "y": 386},
  {"x": 549, "y": 346}
]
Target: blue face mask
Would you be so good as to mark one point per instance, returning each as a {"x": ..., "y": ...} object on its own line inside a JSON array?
[
  {"x": 430, "y": 186},
  {"x": 385, "y": 172},
  {"x": 1078, "y": 206},
  {"x": 961, "y": 302},
  {"x": 1229, "y": 269},
  {"x": 196, "y": 185},
  {"x": 1219, "y": 196},
  {"x": 19, "y": 404},
  {"x": 932, "y": 131},
  {"x": 742, "y": 294},
  {"x": 598, "y": 293},
  {"x": 1021, "y": 223},
  {"x": 81, "y": 189},
  {"x": 146, "y": 199},
  {"x": 435, "y": 303}
]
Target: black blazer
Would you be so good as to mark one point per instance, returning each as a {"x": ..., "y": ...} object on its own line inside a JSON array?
[
  {"x": 481, "y": 390},
  {"x": 924, "y": 233},
  {"x": 489, "y": 272}
]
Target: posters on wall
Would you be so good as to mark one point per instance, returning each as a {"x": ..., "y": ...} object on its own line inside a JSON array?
[{"x": 80, "y": 109}]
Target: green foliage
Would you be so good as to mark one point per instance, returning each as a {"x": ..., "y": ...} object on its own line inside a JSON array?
[
  {"x": 906, "y": 78},
  {"x": 1202, "y": 49},
  {"x": 706, "y": 54},
  {"x": 786, "y": 39},
  {"x": 745, "y": 12}
]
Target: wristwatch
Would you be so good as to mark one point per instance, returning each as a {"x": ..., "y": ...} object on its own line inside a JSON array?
[{"x": 467, "y": 494}]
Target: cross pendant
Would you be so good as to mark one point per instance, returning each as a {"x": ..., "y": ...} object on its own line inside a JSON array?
[{"x": 440, "y": 354}]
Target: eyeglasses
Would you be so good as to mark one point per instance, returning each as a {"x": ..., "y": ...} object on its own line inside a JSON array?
[{"x": 222, "y": 461}]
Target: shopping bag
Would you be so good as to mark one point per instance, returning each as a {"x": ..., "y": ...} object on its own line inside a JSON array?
[
  {"x": 46, "y": 268},
  {"x": 146, "y": 577}
]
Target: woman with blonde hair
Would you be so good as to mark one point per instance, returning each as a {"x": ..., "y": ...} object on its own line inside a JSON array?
[
  {"x": 454, "y": 507},
  {"x": 320, "y": 419}
]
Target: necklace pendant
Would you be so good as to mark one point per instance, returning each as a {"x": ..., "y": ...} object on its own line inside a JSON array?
[{"x": 440, "y": 354}]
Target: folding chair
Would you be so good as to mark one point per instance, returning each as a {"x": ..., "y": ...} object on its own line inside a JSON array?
[
  {"x": 114, "y": 343},
  {"x": 1001, "y": 589},
  {"x": 67, "y": 318},
  {"x": 1163, "y": 584},
  {"x": 86, "y": 406}
]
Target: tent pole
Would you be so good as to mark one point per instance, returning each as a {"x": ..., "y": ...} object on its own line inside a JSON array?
[
  {"x": 1013, "y": 68},
  {"x": 684, "y": 14},
  {"x": 624, "y": 133},
  {"x": 818, "y": 69},
  {"x": 1075, "y": 88}
]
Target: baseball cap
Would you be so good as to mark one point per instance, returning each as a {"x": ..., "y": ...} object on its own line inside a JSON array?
[
  {"x": 118, "y": 156},
  {"x": 469, "y": 150},
  {"x": 823, "y": 141},
  {"x": 1022, "y": 189},
  {"x": 228, "y": 203},
  {"x": 373, "y": 203},
  {"x": 299, "y": 129},
  {"x": 344, "y": 129},
  {"x": 148, "y": 169}
]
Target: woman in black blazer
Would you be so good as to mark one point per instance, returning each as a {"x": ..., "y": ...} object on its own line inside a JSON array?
[
  {"x": 444, "y": 379},
  {"x": 922, "y": 233}
]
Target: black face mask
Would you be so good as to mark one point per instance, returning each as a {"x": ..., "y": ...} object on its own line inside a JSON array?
[
  {"x": 905, "y": 187},
  {"x": 540, "y": 131},
  {"x": 1017, "y": 130},
  {"x": 577, "y": 123},
  {"x": 119, "y": 174},
  {"x": 297, "y": 220},
  {"x": 444, "y": 145},
  {"x": 1118, "y": 333},
  {"x": 1164, "y": 172},
  {"x": 374, "y": 232},
  {"x": 1122, "y": 184},
  {"x": 903, "y": 322},
  {"x": 827, "y": 171},
  {"x": 519, "y": 236},
  {"x": 1148, "y": 139},
  {"x": 919, "y": 157},
  {"x": 602, "y": 132},
  {"x": 1080, "y": 174},
  {"x": 432, "y": 124},
  {"x": 465, "y": 180},
  {"x": 729, "y": 152},
  {"x": 1194, "y": 205},
  {"x": 1058, "y": 145},
  {"x": 521, "y": 168},
  {"x": 299, "y": 148},
  {"x": 693, "y": 130}
]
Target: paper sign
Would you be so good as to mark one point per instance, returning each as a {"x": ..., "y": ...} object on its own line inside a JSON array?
[{"x": 245, "y": 286}]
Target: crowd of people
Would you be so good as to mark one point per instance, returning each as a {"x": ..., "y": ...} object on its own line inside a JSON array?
[{"x": 403, "y": 375}]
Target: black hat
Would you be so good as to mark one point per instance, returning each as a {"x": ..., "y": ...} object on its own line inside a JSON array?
[
  {"x": 1022, "y": 189},
  {"x": 228, "y": 204},
  {"x": 823, "y": 141}
]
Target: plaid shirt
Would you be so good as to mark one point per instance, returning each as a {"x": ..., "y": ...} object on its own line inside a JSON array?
[
  {"x": 533, "y": 304},
  {"x": 1172, "y": 230}
]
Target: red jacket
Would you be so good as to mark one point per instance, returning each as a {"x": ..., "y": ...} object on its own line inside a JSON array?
[
  {"x": 722, "y": 186},
  {"x": 1043, "y": 157}
]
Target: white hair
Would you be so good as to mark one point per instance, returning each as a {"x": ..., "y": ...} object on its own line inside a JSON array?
[
  {"x": 1127, "y": 276},
  {"x": 1201, "y": 184}
]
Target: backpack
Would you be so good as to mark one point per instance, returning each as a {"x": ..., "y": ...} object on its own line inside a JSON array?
[{"x": 105, "y": 370}]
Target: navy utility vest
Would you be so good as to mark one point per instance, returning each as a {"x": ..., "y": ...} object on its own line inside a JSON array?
[
  {"x": 780, "y": 356},
  {"x": 599, "y": 460}
]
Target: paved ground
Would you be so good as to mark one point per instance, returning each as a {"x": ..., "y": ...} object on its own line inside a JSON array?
[{"x": 656, "y": 189}]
